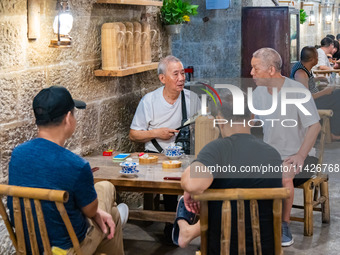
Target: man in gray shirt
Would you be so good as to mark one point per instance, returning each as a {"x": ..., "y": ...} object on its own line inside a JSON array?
[{"x": 293, "y": 133}]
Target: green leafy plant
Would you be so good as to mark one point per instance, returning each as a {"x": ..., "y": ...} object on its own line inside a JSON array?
[
  {"x": 303, "y": 16},
  {"x": 177, "y": 11}
]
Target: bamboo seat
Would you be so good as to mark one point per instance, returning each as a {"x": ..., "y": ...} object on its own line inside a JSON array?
[
  {"x": 315, "y": 190},
  {"x": 27, "y": 195},
  {"x": 227, "y": 195}
]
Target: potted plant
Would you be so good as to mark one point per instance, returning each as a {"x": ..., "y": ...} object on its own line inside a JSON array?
[
  {"x": 303, "y": 16},
  {"x": 175, "y": 12}
]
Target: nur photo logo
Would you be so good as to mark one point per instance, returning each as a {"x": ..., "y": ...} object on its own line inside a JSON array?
[
  {"x": 239, "y": 99},
  {"x": 204, "y": 98}
]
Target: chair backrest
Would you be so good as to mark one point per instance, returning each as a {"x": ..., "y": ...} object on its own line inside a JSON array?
[
  {"x": 325, "y": 116},
  {"x": 227, "y": 195},
  {"x": 27, "y": 195},
  {"x": 205, "y": 132}
]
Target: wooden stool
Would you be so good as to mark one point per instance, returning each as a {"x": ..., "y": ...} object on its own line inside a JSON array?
[{"x": 315, "y": 190}]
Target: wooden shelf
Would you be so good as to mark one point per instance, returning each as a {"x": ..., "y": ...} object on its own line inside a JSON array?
[
  {"x": 131, "y": 2},
  {"x": 127, "y": 71}
]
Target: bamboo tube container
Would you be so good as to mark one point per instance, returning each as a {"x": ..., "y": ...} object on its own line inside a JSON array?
[
  {"x": 137, "y": 31},
  {"x": 111, "y": 40},
  {"x": 122, "y": 48},
  {"x": 146, "y": 42},
  {"x": 129, "y": 44}
]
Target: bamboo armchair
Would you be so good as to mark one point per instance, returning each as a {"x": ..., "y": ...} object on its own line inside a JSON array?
[
  {"x": 226, "y": 195},
  {"x": 35, "y": 194},
  {"x": 315, "y": 190},
  {"x": 325, "y": 116}
]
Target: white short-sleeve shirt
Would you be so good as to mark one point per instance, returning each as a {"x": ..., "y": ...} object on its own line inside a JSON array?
[
  {"x": 286, "y": 140},
  {"x": 322, "y": 59},
  {"x": 155, "y": 112}
]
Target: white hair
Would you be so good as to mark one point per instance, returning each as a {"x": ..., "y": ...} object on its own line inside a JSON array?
[
  {"x": 163, "y": 64},
  {"x": 269, "y": 56}
]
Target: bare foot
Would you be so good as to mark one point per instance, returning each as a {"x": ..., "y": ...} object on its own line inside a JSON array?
[
  {"x": 335, "y": 137},
  {"x": 187, "y": 233}
]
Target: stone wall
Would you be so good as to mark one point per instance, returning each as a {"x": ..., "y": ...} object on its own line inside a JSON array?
[
  {"x": 212, "y": 47},
  {"x": 27, "y": 66}
]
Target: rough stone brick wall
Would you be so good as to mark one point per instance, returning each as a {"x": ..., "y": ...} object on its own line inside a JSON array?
[
  {"x": 27, "y": 66},
  {"x": 212, "y": 47}
]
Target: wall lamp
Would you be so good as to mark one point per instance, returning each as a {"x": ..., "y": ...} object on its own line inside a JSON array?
[
  {"x": 328, "y": 17},
  {"x": 311, "y": 21},
  {"x": 62, "y": 25},
  {"x": 339, "y": 13},
  {"x": 311, "y": 16}
]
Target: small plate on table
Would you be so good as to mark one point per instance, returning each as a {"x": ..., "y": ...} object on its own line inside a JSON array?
[{"x": 129, "y": 174}]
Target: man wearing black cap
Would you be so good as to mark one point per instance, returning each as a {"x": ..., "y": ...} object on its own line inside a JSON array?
[{"x": 43, "y": 162}]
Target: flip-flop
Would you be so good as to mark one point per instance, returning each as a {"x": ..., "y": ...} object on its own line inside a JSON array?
[{"x": 181, "y": 214}]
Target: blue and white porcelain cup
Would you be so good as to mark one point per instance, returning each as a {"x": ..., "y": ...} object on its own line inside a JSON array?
[
  {"x": 129, "y": 167},
  {"x": 173, "y": 151}
]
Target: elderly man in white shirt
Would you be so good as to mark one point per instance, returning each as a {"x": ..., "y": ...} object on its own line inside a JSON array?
[{"x": 161, "y": 112}]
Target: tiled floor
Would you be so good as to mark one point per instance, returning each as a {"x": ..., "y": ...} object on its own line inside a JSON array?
[{"x": 147, "y": 239}]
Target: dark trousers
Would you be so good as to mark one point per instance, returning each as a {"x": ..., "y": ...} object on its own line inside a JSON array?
[
  {"x": 310, "y": 164},
  {"x": 170, "y": 203},
  {"x": 332, "y": 102}
]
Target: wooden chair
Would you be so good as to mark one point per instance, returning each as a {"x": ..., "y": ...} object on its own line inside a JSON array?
[
  {"x": 227, "y": 195},
  {"x": 326, "y": 120},
  {"x": 315, "y": 190},
  {"x": 27, "y": 195},
  {"x": 205, "y": 132}
]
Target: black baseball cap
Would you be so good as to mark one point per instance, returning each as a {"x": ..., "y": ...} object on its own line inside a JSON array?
[{"x": 54, "y": 102}]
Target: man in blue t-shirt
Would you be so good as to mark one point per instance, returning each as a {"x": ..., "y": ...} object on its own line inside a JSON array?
[{"x": 44, "y": 163}]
